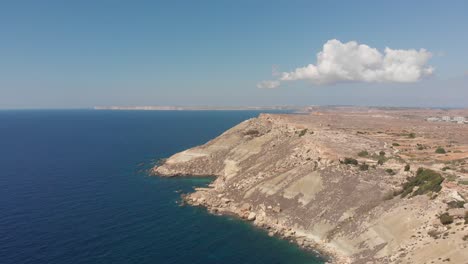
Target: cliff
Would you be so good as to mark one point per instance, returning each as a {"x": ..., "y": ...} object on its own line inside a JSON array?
[{"x": 339, "y": 183}]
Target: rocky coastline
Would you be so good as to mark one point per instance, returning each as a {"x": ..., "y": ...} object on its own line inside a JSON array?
[
  {"x": 337, "y": 183},
  {"x": 219, "y": 205}
]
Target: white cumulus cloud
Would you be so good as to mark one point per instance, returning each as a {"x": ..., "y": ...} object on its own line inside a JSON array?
[
  {"x": 268, "y": 84},
  {"x": 353, "y": 62}
]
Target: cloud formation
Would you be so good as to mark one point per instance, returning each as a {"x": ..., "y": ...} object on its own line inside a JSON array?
[
  {"x": 353, "y": 62},
  {"x": 268, "y": 84}
]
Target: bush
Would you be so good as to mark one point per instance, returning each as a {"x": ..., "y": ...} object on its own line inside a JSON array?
[
  {"x": 350, "y": 161},
  {"x": 466, "y": 217},
  {"x": 427, "y": 180},
  {"x": 434, "y": 234},
  {"x": 382, "y": 153},
  {"x": 451, "y": 177},
  {"x": 407, "y": 167},
  {"x": 252, "y": 132},
  {"x": 381, "y": 161},
  {"x": 303, "y": 132},
  {"x": 456, "y": 204},
  {"x": 395, "y": 144},
  {"x": 363, "y": 153},
  {"x": 446, "y": 219},
  {"x": 440, "y": 150},
  {"x": 364, "y": 167},
  {"x": 411, "y": 135},
  {"x": 390, "y": 171}
]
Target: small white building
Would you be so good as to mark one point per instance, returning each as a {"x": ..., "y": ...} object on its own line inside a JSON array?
[
  {"x": 446, "y": 118},
  {"x": 459, "y": 119},
  {"x": 433, "y": 119}
]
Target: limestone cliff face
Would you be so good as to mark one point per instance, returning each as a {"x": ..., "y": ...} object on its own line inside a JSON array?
[{"x": 286, "y": 174}]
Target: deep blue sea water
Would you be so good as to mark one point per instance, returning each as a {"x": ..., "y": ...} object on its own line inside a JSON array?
[{"x": 73, "y": 189}]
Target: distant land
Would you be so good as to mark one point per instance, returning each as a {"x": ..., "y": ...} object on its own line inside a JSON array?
[
  {"x": 306, "y": 108},
  {"x": 197, "y": 108}
]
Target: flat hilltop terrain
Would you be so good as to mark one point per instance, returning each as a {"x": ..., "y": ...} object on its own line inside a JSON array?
[{"x": 362, "y": 185}]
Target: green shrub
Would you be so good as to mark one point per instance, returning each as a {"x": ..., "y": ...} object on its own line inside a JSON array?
[
  {"x": 450, "y": 177},
  {"x": 427, "y": 180},
  {"x": 446, "y": 219},
  {"x": 390, "y": 171},
  {"x": 446, "y": 168},
  {"x": 420, "y": 147},
  {"x": 252, "y": 132},
  {"x": 395, "y": 144},
  {"x": 303, "y": 132},
  {"x": 434, "y": 234},
  {"x": 382, "y": 153},
  {"x": 412, "y": 135},
  {"x": 466, "y": 217},
  {"x": 407, "y": 167},
  {"x": 440, "y": 150},
  {"x": 463, "y": 182},
  {"x": 350, "y": 161},
  {"x": 364, "y": 167},
  {"x": 456, "y": 204},
  {"x": 363, "y": 153},
  {"x": 381, "y": 161}
]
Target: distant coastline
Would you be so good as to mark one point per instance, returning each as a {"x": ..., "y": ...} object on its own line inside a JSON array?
[
  {"x": 306, "y": 108},
  {"x": 196, "y": 108}
]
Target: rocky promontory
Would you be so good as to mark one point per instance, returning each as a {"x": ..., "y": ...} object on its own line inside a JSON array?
[{"x": 363, "y": 186}]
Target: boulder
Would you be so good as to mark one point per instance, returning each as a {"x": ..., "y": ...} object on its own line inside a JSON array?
[
  {"x": 251, "y": 216},
  {"x": 455, "y": 196}
]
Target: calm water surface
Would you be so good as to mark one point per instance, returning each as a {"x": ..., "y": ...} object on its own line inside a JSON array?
[{"x": 73, "y": 189}]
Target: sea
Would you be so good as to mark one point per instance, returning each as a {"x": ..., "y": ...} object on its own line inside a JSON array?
[{"x": 75, "y": 188}]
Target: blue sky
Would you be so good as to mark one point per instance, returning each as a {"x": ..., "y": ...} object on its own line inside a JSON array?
[{"x": 72, "y": 54}]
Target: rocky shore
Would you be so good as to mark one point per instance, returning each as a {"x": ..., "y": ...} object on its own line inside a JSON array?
[
  {"x": 344, "y": 184},
  {"x": 220, "y": 205}
]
